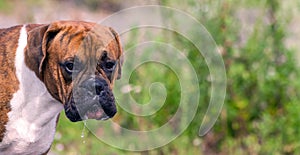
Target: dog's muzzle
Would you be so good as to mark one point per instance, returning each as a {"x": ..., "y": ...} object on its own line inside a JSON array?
[{"x": 93, "y": 99}]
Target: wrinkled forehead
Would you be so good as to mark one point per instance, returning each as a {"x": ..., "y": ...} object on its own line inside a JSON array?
[
  {"x": 96, "y": 42},
  {"x": 89, "y": 45}
]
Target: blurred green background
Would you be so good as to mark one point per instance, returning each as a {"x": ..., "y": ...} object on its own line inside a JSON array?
[{"x": 259, "y": 41}]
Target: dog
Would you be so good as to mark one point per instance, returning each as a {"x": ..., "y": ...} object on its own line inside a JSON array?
[{"x": 47, "y": 68}]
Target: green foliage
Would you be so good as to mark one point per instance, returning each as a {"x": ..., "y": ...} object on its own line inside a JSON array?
[
  {"x": 5, "y": 6},
  {"x": 261, "y": 111},
  {"x": 263, "y": 89}
]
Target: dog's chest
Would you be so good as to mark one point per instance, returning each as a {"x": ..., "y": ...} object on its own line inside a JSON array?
[
  {"x": 26, "y": 131},
  {"x": 23, "y": 137},
  {"x": 32, "y": 120}
]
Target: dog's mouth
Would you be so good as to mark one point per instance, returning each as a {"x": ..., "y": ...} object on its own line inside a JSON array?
[
  {"x": 101, "y": 109},
  {"x": 86, "y": 104},
  {"x": 96, "y": 113}
]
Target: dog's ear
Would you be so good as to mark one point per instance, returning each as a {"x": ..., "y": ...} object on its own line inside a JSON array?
[
  {"x": 38, "y": 41},
  {"x": 120, "y": 56}
]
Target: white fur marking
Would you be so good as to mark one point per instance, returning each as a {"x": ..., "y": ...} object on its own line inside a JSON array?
[{"x": 32, "y": 119}]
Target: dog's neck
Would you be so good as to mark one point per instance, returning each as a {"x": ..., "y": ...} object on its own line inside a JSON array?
[{"x": 33, "y": 115}]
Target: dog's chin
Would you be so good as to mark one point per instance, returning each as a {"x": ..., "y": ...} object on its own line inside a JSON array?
[
  {"x": 89, "y": 110},
  {"x": 96, "y": 113}
]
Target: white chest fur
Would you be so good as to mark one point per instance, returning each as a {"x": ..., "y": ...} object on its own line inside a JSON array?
[{"x": 32, "y": 119}]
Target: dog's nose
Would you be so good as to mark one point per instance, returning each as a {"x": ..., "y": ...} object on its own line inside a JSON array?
[{"x": 96, "y": 85}]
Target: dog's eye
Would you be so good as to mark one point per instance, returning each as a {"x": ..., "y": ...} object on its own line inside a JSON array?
[
  {"x": 69, "y": 67},
  {"x": 110, "y": 65}
]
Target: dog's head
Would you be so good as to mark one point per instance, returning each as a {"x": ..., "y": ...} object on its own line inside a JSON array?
[{"x": 78, "y": 62}]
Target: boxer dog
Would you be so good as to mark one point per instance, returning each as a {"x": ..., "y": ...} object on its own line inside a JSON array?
[{"x": 45, "y": 68}]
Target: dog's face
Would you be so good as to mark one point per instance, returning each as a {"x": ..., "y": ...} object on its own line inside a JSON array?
[{"x": 79, "y": 65}]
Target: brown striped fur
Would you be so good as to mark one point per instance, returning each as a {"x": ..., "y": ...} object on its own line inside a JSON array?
[
  {"x": 47, "y": 46},
  {"x": 62, "y": 40},
  {"x": 8, "y": 80}
]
